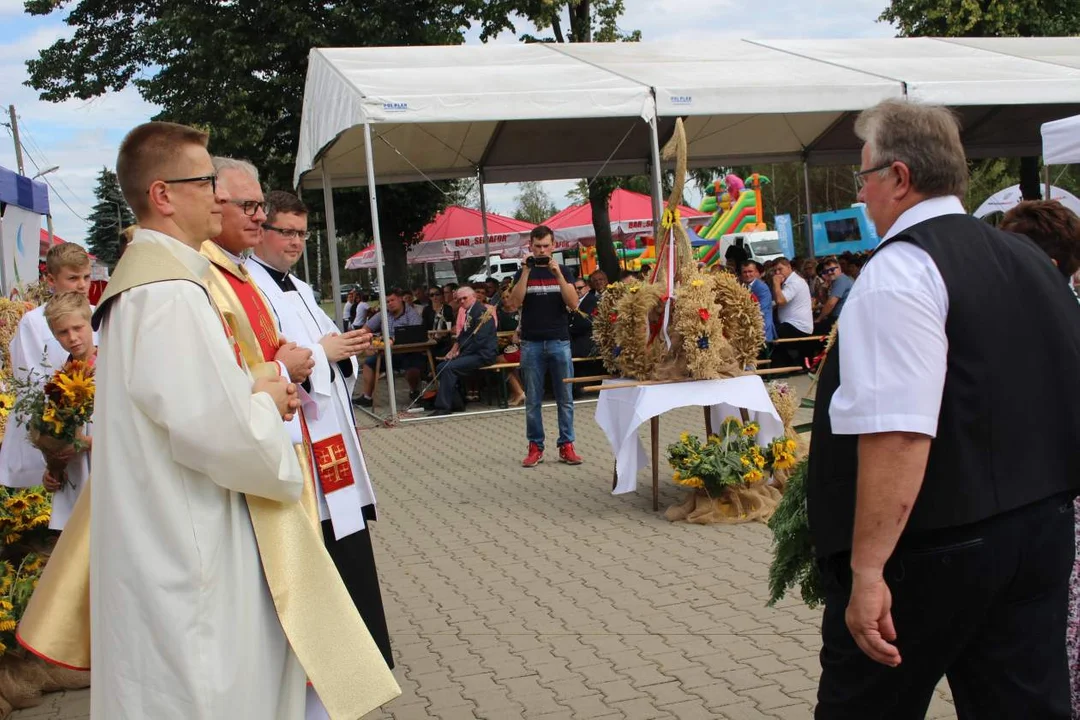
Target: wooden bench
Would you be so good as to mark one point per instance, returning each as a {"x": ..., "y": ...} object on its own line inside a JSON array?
[
  {"x": 502, "y": 368},
  {"x": 808, "y": 338}
]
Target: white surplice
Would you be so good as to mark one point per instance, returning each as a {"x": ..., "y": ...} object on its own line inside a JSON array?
[
  {"x": 182, "y": 621},
  {"x": 302, "y": 321},
  {"x": 33, "y": 350},
  {"x": 63, "y": 500}
]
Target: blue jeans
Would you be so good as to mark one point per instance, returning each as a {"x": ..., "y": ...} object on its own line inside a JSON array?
[{"x": 537, "y": 358}]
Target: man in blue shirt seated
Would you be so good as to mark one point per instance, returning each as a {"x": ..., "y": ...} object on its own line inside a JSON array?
[
  {"x": 400, "y": 315},
  {"x": 750, "y": 275},
  {"x": 839, "y": 287}
]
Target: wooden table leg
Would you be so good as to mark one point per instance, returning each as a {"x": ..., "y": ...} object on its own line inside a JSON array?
[
  {"x": 708, "y": 422},
  {"x": 654, "y": 430},
  {"x": 431, "y": 362}
]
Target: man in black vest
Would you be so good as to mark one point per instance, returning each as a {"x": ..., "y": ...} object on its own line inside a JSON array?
[{"x": 943, "y": 462}]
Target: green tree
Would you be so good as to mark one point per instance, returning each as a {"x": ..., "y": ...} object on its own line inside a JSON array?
[
  {"x": 984, "y": 18},
  {"x": 585, "y": 21},
  {"x": 238, "y": 70},
  {"x": 988, "y": 18},
  {"x": 533, "y": 203},
  {"x": 108, "y": 218}
]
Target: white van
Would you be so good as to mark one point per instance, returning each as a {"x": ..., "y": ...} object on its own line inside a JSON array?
[
  {"x": 761, "y": 246},
  {"x": 498, "y": 267}
]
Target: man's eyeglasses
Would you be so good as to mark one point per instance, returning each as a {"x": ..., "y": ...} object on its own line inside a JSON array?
[
  {"x": 830, "y": 271},
  {"x": 212, "y": 179},
  {"x": 251, "y": 208},
  {"x": 580, "y": 287},
  {"x": 861, "y": 175},
  {"x": 287, "y": 232}
]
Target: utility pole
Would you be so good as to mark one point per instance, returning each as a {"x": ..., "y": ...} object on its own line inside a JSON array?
[{"x": 15, "y": 134}]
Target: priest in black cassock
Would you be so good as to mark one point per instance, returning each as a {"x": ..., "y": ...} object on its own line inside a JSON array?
[{"x": 345, "y": 495}]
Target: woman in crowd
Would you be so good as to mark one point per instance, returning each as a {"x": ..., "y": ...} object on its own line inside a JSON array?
[
  {"x": 1056, "y": 230},
  {"x": 509, "y": 316}
]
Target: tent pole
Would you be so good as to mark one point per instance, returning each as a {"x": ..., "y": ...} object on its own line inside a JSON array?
[
  {"x": 483, "y": 221},
  {"x": 1046, "y": 181},
  {"x": 369, "y": 160},
  {"x": 307, "y": 268},
  {"x": 809, "y": 211},
  {"x": 655, "y": 177},
  {"x": 5, "y": 288},
  {"x": 331, "y": 240}
]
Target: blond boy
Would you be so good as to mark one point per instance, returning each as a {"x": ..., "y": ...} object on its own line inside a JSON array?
[
  {"x": 68, "y": 317},
  {"x": 35, "y": 351}
]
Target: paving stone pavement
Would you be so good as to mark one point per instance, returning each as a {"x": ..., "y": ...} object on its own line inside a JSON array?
[{"x": 516, "y": 593}]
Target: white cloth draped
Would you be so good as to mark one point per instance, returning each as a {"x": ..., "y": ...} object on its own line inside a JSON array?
[
  {"x": 183, "y": 623},
  {"x": 621, "y": 411}
]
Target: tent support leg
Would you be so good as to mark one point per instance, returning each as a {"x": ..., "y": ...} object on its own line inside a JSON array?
[
  {"x": 388, "y": 359},
  {"x": 483, "y": 219},
  {"x": 331, "y": 241},
  {"x": 1046, "y": 182},
  {"x": 809, "y": 211},
  {"x": 657, "y": 201}
]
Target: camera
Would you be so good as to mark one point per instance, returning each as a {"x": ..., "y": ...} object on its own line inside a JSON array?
[{"x": 532, "y": 261}]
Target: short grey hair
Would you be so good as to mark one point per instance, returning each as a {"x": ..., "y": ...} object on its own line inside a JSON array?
[
  {"x": 926, "y": 138},
  {"x": 465, "y": 291},
  {"x": 226, "y": 163}
]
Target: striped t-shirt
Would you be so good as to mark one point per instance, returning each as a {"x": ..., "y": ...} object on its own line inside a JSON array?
[{"x": 543, "y": 313}]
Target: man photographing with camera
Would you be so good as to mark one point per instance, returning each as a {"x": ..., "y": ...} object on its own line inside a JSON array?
[{"x": 545, "y": 291}]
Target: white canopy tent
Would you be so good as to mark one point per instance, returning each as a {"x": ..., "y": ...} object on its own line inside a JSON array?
[
  {"x": 544, "y": 111},
  {"x": 1061, "y": 141},
  {"x": 1005, "y": 200}
]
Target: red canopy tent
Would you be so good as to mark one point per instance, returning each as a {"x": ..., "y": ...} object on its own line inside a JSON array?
[
  {"x": 363, "y": 260},
  {"x": 630, "y": 213},
  {"x": 458, "y": 232}
]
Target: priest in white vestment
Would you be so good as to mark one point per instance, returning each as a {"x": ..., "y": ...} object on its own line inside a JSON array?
[
  {"x": 345, "y": 495},
  {"x": 183, "y": 623},
  {"x": 35, "y": 351}
]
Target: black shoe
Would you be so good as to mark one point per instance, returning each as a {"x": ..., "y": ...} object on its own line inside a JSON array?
[
  {"x": 439, "y": 412},
  {"x": 413, "y": 394},
  {"x": 363, "y": 401}
]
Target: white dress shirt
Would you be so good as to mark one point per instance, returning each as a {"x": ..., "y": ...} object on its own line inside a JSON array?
[
  {"x": 893, "y": 349},
  {"x": 798, "y": 311}
]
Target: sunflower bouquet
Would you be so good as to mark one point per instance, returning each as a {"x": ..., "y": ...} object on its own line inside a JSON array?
[
  {"x": 728, "y": 472},
  {"x": 7, "y": 402},
  {"x": 24, "y": 546},
  {"x": 55, "y": 415}
]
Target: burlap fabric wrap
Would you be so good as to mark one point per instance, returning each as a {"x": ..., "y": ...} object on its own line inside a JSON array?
[{"x": 747, "y": 503}]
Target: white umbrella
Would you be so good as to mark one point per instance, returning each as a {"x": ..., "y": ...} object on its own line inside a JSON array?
[{"x": 1005, "y": 200}]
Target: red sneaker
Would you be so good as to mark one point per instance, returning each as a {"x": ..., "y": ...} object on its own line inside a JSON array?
[
  {"x": 567, "y": 454},
  {"x": 535, "y": 456}
]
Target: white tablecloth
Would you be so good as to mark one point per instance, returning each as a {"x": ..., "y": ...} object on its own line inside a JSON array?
[{"x": 619, "y": 413}]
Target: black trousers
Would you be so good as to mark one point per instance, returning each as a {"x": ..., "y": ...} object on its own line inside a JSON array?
[
  {"x": 355, "y": 561},
  {"x": 984, "y": 605},
  {"x": 450, "y": 373},
  {"x": 791, "y": 353}
]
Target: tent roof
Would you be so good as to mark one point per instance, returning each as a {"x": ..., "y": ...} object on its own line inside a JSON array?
[
  {"x": 459, "y": 232},
  {"x": 629, "y": 212},
  {"x": 546, "y": 111},
  {"x": 442, "y": 106}
]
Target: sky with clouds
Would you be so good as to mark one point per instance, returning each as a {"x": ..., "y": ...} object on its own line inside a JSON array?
[{"x": 81, "y": 137}]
